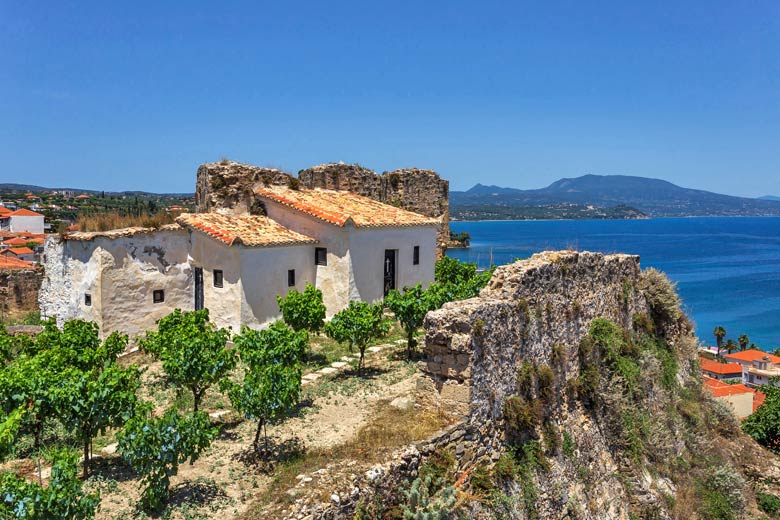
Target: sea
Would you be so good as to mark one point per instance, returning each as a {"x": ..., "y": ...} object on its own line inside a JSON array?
[{"x": 727, "y": 269}]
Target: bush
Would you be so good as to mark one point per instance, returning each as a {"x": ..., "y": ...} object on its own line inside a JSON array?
[
  {"x": 768, "y": 503},
  {"x": 356, "y": 325},
  {"x": 155, "y": 447},
  {"x": 303, "y": 310},
  {"x": 521, "y": 416},
  {"x": 661, "y": 295},
  {"x": 410, "y": 308},
  {"x": 505, "y": 468},
  {"x": 764, "y": 424}
]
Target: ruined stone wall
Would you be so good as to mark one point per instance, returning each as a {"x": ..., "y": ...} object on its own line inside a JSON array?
[
  {"x": 421, "y": 191},
  {"x": 343, "y": 177},
  {"x": 228, "y": 186},
  {"x": 19, "y": 292}
]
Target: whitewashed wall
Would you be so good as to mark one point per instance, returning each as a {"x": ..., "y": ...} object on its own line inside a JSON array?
[
  {"x": 29, "y": 224},
  {"x": 224, "y": 304},
  {"x": 367, "y": 250},
  {"x": 264, "y": 276}
]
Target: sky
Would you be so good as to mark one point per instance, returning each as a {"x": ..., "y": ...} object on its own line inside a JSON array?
[{"x": 135, "y": 95}]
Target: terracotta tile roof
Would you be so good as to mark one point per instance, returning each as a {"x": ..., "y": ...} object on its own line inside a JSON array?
[
  {"x": 714, "y": 367},
  {"x": 19, "y": 251},
  {"x": 752, "y": 355},
  {"x": 16, "y": 241},
  {"x": 25, "y": 213},
  {"x": 249, "y": 230},
  {"x": 4, "y": 210},
  {"x": 721, "y": 389},
  {"x": 340, "y": 207},
  {"x": 11, "y": 262},
  {"x": 758, "y": 399},
  {"x": 117, "y": 233}
]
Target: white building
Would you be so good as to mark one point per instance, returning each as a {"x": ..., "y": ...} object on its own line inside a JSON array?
[
  {"x": 21, "y": 221},
  {"x": 350, "y": 247},
  {"x": 758, "y": 367}
]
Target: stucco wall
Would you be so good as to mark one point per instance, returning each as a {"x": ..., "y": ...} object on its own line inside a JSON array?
[
  {"x": 223, "y": 303},
  {"x": 742, "y": 404},
  {"x": 367, "y": 250},
  {"x": 264, "y": 276},
  {"x": 133, "y": 268},
  {"x": 29, "y": 224},
  {"x": 120, "y": 274},
  {"x": 333, "y": 279}
]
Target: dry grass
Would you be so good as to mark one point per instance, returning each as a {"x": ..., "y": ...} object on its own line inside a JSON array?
[{"x": 113, "y": 220}]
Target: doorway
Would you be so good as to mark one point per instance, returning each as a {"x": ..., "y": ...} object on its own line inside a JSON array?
[
  {"x": 198, "y": 288},
  {"x": 390, "y": 256}
]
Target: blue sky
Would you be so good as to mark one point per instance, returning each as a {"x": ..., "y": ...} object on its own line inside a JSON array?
[{"x": 135, "y": 96}]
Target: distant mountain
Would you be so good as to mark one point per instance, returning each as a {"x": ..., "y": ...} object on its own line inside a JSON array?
[
  {"x": 31, "y": 188},
  {"x": 769, "y": 197},
  {"x": 653, "y": 197}
]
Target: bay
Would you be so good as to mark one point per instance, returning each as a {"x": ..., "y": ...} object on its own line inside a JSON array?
[{"x": 727, "y": 269}]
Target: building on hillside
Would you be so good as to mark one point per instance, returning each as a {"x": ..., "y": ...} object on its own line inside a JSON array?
[
  {"x": 350, "y": 247},
  {"x": 758, "y": 367},
  {"x": 721, "y": 371},
  {"x": 21, "y": 253},
  {"x": 22, "y": 220},
  {"x": 742, "y": 400}
]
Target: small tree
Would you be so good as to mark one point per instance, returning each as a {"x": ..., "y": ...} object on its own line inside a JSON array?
[
  {"x": 90, "y": 402},
  {"x": 743, "y": 341},
  {"x": 272, "y": 380},
  {"x": 192, "y": 350},
  {"x": 303, "y": 311},
  {"x": 410, "y": 308},
  {"x": 64, "y": 497},
  {"x": 764, "y": 424},
  {"x": 356, "y": 325},
  {"x": 730, "y": 345},
  {"x": 155, "y": 447}
]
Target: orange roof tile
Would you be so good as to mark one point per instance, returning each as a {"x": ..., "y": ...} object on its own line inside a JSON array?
[
  {"x": 19, "y": 251},
  {"x": 340, "y": 207},
  {"x": 249, "y": 230},
  {"x": 752, "y": 355},
  {"x": 11, "y": 262},
  {"x": 714, "y": 367},
  {"x": 25, "y": 213},
  {"x": 758, "y": 399},
  {"x": 16, "y": 241},
  {"x": 4, "y": 210},
  {"x": 721, "y": 389}
]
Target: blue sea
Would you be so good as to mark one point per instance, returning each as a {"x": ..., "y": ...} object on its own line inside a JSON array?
[{"x": 727, "y": 269}]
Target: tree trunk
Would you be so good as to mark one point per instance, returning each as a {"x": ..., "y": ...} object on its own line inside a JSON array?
[
  {"x": 195, "y": 399},
  {"x": 409, "y": 339},
  {"x": 86, "y": 458},
  {"x": 257, "y": 434}
]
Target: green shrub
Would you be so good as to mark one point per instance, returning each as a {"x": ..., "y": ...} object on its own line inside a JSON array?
[
  {"x": 661, "y": 296},
  {"x": 568, "y": 445},
  {"x": 481, "y": 481},
  {"x": 303, "y": 310},
  {"x": 357, "y": 325},
  {"x": 525, "y": 379},
  {"x": 546, "y": 380},
  {"x": 768, "y": 503},
  {"x": 505, "y": 468},
  {"x": 521, "y": 416}
]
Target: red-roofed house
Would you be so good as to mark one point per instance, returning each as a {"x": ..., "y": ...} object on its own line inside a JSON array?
[
  {"x": 22, "y": 253},
  {"x": 720, "y": 371},
  {"x": 22, "y": 220},
  {"x": 758, "y": 367},
  {"x": 739, "y": 397}
]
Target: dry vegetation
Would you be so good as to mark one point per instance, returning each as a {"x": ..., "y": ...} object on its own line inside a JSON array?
[{"x": 113, "y": 220}]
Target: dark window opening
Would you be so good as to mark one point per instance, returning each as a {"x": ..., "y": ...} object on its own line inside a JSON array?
[
  {"x": 320, "y": 256},
  {"x": 416, "y": 255},
  {"x": 158, "y": 296},
  {"x": 88, "y": 300},
  {"x": 291, "y": 278},
  {"x": 217, "y": 278}
]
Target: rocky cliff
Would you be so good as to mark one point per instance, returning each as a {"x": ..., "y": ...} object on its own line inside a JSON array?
[{"x": 576, "y": 379}]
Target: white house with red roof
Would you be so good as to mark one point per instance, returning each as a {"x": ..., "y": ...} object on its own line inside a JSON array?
[
  {"x": 21, "y": 220},
  {"x": 350, "y": 247},
  {"x": 758, "y": 367}
]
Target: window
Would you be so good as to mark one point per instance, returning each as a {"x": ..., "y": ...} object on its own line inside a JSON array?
[
  {"x": 291, "y": 278},
  {"x": 217, "y": 277},
  {"x": 416, "y": 255},
  {"x": 320, "y": 256},
  {"x": 88, "y": 299},
  {"x": 158, "y": 296}
]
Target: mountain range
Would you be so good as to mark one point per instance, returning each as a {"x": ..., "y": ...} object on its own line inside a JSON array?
[
  {"x": 651, "y": 197},
  {"x": 31, "y": 188}
]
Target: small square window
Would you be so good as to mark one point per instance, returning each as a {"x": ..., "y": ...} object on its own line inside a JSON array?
[
  {"x": 291, "y": 278},
  {"x": 416, "y": 255},
  {"x": 88, "y": 300},
  {"x": 320, "y": 256},
  {"x": 217, "y": 278},
  {"x": 158, "y": 296}
]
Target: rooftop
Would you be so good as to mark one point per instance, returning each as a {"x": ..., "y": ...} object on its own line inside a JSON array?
[
  {"x": 25, "y": 213},
  {"x": 721, "y": 389},
  {"x": 11, "y": 262},
  {"x": 752, "y": 355},
  {"x": 341, "y": 207},
  {"x": 19, "y": 251},
  {"x": 249, "y": 230},
  {"x": 714, "y": 367}
]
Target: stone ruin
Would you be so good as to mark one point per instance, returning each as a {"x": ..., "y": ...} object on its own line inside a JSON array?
[{"x": 228, "y": 186}]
